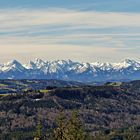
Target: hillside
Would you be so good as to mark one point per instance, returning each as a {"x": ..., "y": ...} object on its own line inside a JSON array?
[
  {"x": 111, "y": 106},
  {"x": 9, "y": 86}
]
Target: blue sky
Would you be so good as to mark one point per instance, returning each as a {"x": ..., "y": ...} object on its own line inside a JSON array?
[
  {"x": 81, "y": 30},
  {"x": 98, "y": 5}
]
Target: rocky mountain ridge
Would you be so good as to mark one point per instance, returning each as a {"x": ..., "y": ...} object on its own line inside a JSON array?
[{"x": 71, "y": 70}]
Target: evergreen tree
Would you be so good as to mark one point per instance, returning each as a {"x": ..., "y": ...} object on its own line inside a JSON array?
[
  {"x": 39, "y": 131},
  {"x": 75, "y": 128},
  {"x": 69, "y": 129},
  {"x": 60, "y": 131}
]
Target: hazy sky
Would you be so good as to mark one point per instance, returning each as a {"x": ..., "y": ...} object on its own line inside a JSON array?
[{"x": 81, "y": 30}]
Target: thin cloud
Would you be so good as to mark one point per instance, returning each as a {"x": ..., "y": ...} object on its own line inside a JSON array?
[
  {"x": 27, "y": 18},
  {"x": 66, "y": 33}
]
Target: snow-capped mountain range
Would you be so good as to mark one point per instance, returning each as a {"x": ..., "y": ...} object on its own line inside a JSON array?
[{"x": 72, "y": 71}]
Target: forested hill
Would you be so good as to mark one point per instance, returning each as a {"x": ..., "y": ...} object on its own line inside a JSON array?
[{"x": 112, "y": 106}]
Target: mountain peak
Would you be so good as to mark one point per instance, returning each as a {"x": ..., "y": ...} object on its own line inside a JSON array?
[
  {"x": 12, "y": 65},
  {"x": 38, "y": 60},
  {"x": 13, "y": 62},
  {"x": 130, "y": 61}
]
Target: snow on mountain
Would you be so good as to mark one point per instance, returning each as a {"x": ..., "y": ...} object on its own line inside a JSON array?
[
  {"x": 70, "y": 70},
  {"x": 30, "y": 65},
  {"x": 126, "y": 64},
  {"x": 103, "y": 66},
  {"x": 12, "y": 66}
]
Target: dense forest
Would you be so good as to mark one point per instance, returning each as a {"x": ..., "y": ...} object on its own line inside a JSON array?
[{"x": 110, "y": 111}]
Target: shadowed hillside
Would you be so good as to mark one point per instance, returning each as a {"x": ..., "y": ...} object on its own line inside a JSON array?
[{"x": 109, "y": 107}]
